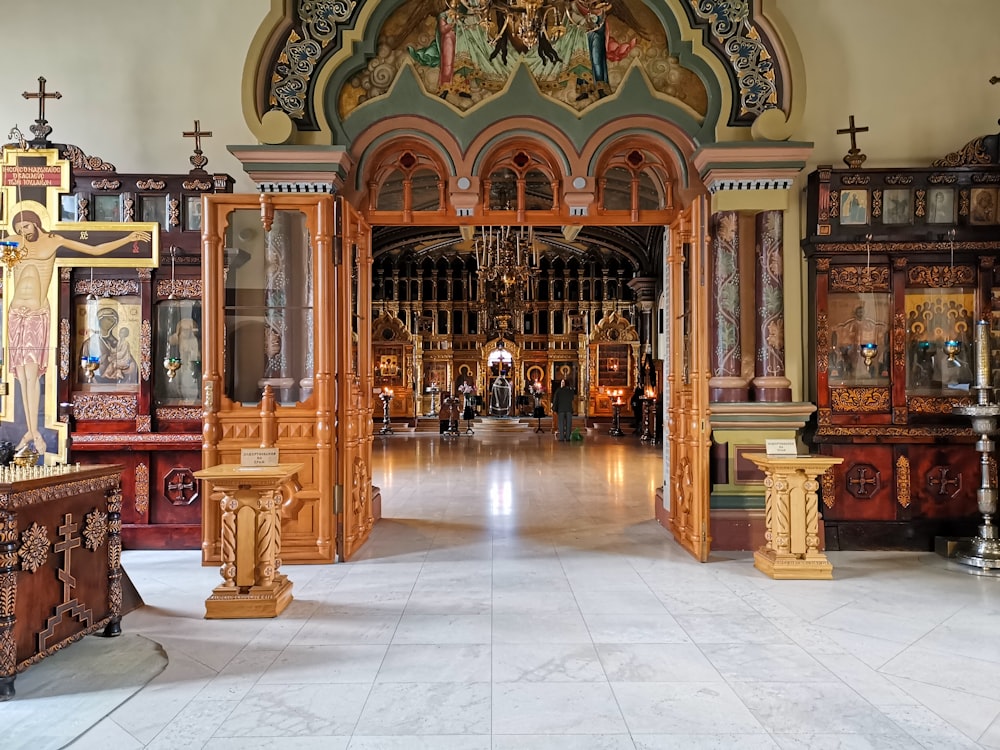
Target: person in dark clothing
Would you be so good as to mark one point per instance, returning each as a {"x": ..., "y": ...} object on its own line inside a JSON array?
[
  {"x": 562, "y": 405},
  {"x": 636, "y": 404}
]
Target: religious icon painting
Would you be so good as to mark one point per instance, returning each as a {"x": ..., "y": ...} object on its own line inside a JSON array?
[
  {"x": 940, "y": 206},
  {"x": 854, "y": 207},
  {"x": 154, "y": 208},
  {"x": 192, "y": 213},
  {"x": 984, "y": 206},
  {"x": 107, "y": 208},
  {"x": 898, "y": 206},
  {"x": 67, "y": 208},
  {"x": 106, "y": 344}
]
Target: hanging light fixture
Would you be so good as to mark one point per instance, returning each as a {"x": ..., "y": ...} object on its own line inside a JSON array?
[
  {"x": 172, "y": 357},
  {"x": 90, "y": 358},
  {"x": 506, "y": 259}
]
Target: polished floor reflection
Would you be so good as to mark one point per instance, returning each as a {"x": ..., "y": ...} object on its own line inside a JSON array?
[{"x": 518, "y": 595}]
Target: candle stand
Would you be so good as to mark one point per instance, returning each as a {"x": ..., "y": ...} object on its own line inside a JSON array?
[
  {"x": 983, "y": 550},
  {"x": 386, "y": 397},
  {"x": 616, "y": 424}
]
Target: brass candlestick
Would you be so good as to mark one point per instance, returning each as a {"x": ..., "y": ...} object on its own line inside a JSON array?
[{"x": 983, "y": 550}]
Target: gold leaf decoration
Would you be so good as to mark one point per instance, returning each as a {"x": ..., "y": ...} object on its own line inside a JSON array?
[
  {"x": 860, "y": 399},
  {"x": 903, "y": 481}
]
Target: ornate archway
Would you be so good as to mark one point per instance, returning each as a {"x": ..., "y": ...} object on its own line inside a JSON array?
[{"x": 416, "y": 111}]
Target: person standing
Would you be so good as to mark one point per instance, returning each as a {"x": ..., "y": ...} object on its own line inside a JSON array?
[{"x": 562, "y": 405}]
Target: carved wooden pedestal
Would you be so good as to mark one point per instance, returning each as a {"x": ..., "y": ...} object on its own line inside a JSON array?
[
  {"x": 791, "y": 548},
  {"x": 251, "y": 541}
]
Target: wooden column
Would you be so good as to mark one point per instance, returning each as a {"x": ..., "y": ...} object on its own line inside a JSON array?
[{"x": 791, "y": 542}]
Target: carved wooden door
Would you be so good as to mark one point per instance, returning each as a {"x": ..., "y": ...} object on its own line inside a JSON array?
[
  {"x": 353, "y": 376},
  {"x": 687, "y": 398}
]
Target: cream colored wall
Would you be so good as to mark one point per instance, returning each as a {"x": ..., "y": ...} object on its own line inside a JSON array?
[
  {"x": 150, "y": 69},
  {"x": 914, "y": 71}
]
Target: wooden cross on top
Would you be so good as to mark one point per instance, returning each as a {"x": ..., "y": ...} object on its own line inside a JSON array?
[
  {"x": 199, "y": 160},
  {"x": 854, "y": 158},
  {"x": 41, "y": 127}
]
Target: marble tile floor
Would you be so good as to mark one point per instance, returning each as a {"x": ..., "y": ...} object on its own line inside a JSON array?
[{"x": 518, "y": 595}]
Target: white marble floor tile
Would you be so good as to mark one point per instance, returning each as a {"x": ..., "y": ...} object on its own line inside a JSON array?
[
  {"x": 743, "y": 628},
  {"x": 540, "y": 627},
  {"x": 564, "y": 742},
  {"x": 422, "y": 742},
  {"x": 447, "y": 628},
  {"x": 766, "y": 662},
  {"x": 899, "y": 741},
  {"x": 929, "y": 729},
  {"x": 458, "y": 602},
  {"x": 793, "y": 711},
  {"x": 624, "y": 626},
  {"x": 655, "y": 662},
  {"x": 556, "y": 708},
  {"x": 710, "y": 708},
  {"x": 325, "y": 629},
  {"x": 436, "y": 663},
  {"x": 960, "y": 673},
  {"x": 971, "y": 714},
  {"x": 426, "y": 709},
  {"x": 193, "y": 726},
  {"x": 327, "y": 742},
  {"x": 704, "y": 742},
  {"x": 295, "y": 710},
  {"x": 302, "y": 665},
  {"x": 603, "y": 601},
  {"x": 869, "y": 683},
  {"x": 546, "y": 662}
]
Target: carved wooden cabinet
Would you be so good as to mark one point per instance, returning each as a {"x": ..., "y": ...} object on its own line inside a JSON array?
[
  {"x": 285, "y": 278},
  {"x": 60, "y": 562},
  {"x": 130, "y": 348},
  {"x": 901, "y": 266}
]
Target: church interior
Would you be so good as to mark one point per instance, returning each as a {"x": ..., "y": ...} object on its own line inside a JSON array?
[{"x": 292, "y": 316}]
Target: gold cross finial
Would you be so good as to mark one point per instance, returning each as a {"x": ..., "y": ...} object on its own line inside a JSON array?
[
  {"x": 854, "y": 158},
  {"x": 198, "y": 161},
  {"x": 41, "y": 128}
]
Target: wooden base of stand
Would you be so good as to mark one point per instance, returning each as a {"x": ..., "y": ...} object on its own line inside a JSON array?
[
  {"x": 814, "y": 567},
  {"x": 230, "y": 602}
]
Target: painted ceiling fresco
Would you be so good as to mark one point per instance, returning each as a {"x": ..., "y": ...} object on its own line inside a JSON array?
[{"x": 577, "y": 51}]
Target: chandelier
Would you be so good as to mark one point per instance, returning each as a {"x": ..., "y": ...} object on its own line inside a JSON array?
[{"x": 506, "y": 258}]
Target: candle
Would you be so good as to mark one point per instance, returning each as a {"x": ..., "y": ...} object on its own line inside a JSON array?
[{"x": 982, "y": 354}]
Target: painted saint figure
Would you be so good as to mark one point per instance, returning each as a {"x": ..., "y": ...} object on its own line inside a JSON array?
[{"x": 28, "y": 313}]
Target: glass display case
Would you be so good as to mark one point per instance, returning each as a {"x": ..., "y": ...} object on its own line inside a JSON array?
[
  {"x": 178, "y": 352},
  {"x": 268, "y": 308},
  {"x": 939, "y": 353}
]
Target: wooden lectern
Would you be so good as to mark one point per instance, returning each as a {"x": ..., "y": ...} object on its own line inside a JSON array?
[
  {"x": 791, "y": 546},
  {"x": 251, "y": 541}
]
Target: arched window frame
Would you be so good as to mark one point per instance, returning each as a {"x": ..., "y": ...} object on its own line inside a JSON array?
[
  {"x": 520, "y": 158},
  {"x": 407, "y": 156},
  {"x": 636, "y": 157}
]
